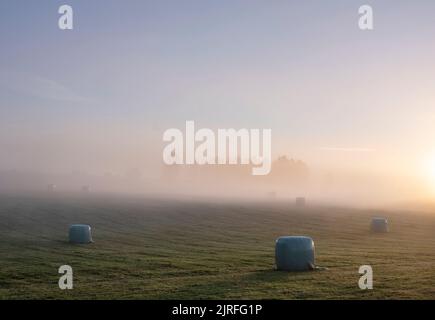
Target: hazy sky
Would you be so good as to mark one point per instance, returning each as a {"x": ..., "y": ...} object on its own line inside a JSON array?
[{"x": 100, "y": 96}]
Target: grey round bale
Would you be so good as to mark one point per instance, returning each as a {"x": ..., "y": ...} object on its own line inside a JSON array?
[
  {"x": 80, "y": 233},
  {"x": 379, "y": 225},
  {"x": 294, "y": 253}
]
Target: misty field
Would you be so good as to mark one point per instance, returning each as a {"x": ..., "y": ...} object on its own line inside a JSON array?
[{"x": 154, "y": 249}]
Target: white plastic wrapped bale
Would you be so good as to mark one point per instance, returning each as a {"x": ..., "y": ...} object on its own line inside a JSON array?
[
  {"x": 294, "y": 253},
  {"x": 80, "y": 233},
  {"x": 379, "y": 225}
]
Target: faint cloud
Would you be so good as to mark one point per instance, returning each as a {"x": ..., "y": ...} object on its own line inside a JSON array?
[
  {"x": 40, "y": 87},
  {"x": 347, "y": 149}
]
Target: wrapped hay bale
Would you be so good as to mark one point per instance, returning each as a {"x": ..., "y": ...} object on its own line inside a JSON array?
[
  {"x": 294, "y": 253},
  {"x": 80, "y": 233},
  {"x": 379, "y": 225}
]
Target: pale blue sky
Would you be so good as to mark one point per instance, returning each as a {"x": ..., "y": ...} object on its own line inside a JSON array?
[{"x": 131, "y": 69}]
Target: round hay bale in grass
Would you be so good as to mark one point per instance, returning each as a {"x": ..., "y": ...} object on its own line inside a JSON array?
[
  {"x": 379, "y": 225},
  {"x": 80, "y": 233},
  {"x": 294, "y": 253}
]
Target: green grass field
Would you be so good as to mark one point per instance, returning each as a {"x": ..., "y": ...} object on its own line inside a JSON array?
[{"x": 153, "y": 249}]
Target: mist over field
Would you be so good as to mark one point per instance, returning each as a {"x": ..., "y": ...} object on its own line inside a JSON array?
[
  {"x": 335, "y": 110},
  {"x": 288, "y": 179},
  {"x": 89, "y": 110}
]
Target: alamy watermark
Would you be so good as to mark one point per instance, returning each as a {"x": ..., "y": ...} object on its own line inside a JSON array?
[
  {"x": 66, "y": 280},
  {"x": 65, "y": 21},
  {"x": 366, "y": 280},
  {"x": 365, "y": 21},
  {"x": 227, "y": 146}
]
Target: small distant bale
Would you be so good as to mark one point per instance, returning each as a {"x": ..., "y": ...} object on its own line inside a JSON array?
[
  {"x": 300, "y": 202},
  {"x": 51, "y": 187},
  {"x": 294, "y": 253},
  {"x": 379, "y": 225},
  {"x": 86, "y": 189},
  {"x": 80, "y": 233}
]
